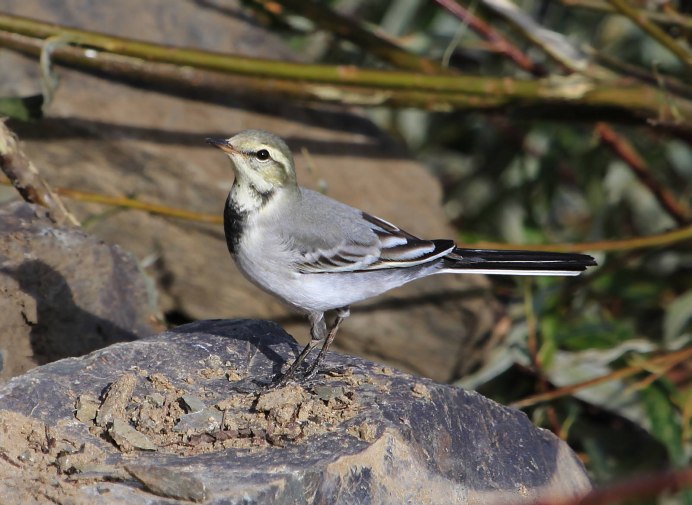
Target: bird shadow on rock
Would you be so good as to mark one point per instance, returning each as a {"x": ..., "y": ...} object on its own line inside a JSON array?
[
  {"x": 264, "y": 337},
  {"x": 59, "y": 327}
]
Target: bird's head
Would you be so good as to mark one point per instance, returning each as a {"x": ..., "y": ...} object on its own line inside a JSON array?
[{"x": 262, "y": 162}]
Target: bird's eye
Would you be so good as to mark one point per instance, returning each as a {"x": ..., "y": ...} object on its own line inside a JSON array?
[{"x": 262, "y": 155}]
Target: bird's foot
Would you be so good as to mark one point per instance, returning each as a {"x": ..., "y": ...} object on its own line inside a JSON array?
[
  {"x": 280, "y": 381},
  {"x": 310, "y": 373},
  {"x": 328, "y": 372}
]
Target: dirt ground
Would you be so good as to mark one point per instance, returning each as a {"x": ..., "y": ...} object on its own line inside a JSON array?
[{"x": 40, "y": 464}]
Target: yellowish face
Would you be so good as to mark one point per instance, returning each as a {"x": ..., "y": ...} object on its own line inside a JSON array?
[
  {"x": 263, "y": 166},
  {"x": 261, "y": 160}
]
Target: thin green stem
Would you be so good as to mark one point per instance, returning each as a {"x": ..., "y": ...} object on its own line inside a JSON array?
[
  {"x": 358, "y": 33},
  {"x": 658, "y": 240},
  {"x": 653, "y": 30},
  {"x": 556, "y": 98},
  {"x": 657, "y": 17}
]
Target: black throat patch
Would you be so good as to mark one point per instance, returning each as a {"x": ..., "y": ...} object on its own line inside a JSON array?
[{"x": 233, "y": 223}]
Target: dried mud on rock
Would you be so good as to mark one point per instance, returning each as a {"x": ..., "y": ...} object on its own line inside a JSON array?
[
  {"x": 169, "y": 419},
  {"x": 165, "y": 418},
  {"x": 38, "y": 461}
]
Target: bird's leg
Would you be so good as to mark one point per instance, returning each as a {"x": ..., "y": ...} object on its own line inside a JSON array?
[
  {"x": 341, "y": 314},
  {"x": 318, "y": 331}
]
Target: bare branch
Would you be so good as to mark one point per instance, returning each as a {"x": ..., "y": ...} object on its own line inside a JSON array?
[
  {"x": 356, "y": 32},
  {"x": 661, "y": 18},
  {"x": 27, "y": 180},
  {"x": 653, "y": 30},
  {"x": 556, "y": 98},
  {"x": 668, "y": 238},
  {"x": 658, "y": 240},
  {"x": 634, "y": 488},
  {"x": 552, "y": 43},
  {"x": 497, "y": 41},
  {"x": 667, "y": 360},
  {"x": 627, "y": 153}
]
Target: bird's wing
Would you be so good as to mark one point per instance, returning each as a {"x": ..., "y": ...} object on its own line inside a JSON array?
[{"x": 370, "y": 243}]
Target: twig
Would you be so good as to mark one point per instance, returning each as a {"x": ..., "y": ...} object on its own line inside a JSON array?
[
  {"x": 532, "y": 332},
  {"x": 498, "y": 42},
  {"x": 653, "y": 30},
  {"x": 553, "y": 44},
  {"x": 269, "y": 69},
  {"x": 627, "y": 153},
  {"x": 132, "y": 203},
  {"x": 673, "y": 357},
  {"x": 27, "y": 180},
  {"x": 657, "y": 240},
  {"x": 169, "y": 77},
  {"x": 534, "y": 353},
  {"x": 634, "y": 488},
  {"x": 356, "y": 32},
  {"x": 5, "y": 457},
  {"x": 628, "y": 244},
  {"x": 556, "y": 98},
  {"x": 657, "y": 17},
  {"x": 653, "y": 376},
  {"x": 667, "y": 83}
]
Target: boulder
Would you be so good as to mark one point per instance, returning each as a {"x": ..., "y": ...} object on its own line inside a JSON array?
[
  {"x": 64, "y": 292},
  {"x": 107, "y": 137},
  {"x": 183, "y": 416}
]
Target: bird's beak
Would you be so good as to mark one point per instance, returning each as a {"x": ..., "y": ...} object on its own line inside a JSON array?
[{"x": 221, "y": 144}]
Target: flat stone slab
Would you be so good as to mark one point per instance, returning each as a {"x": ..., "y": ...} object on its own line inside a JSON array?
[{"x": 182, "y": 417}]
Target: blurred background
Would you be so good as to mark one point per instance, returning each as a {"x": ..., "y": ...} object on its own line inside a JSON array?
[{"x": 563, "y": 125}]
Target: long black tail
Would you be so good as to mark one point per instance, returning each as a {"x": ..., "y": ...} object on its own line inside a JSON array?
[{"x": 487, "y": 261}]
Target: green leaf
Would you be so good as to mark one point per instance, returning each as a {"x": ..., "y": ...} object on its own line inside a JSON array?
[
  {"x": 594, "y": 335},
  {"x": 665, "y": 425},
  {"x": 549, "y": 329},
  {"x": 23, "y": 108},
  {"x": 677, "y": 317}
]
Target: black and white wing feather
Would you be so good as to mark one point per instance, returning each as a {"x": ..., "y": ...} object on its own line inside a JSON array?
[
  {"x": 344, "y": 239},
  {"x": 383, "y": 246}
]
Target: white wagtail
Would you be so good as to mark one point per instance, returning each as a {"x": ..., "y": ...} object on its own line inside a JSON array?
[{"x": 318, "y": 254}]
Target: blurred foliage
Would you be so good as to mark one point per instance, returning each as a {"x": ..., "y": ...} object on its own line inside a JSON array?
[{"x": 507, "y": 179}]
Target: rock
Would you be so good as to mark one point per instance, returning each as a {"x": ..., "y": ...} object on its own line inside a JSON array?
[
  {"x": 200, "y": 421},
  {"x": 127, "y": 438},
  {"x": 107, "y": 137},
  {"x": 167, "y": 482},
  {"x": 64, "y": 292},
  {"x": 364, "y": 435},
  {"x": 117, "y": 398},
  {"x": 192, "y": 404}
]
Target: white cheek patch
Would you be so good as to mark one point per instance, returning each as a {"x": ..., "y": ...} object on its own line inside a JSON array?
[
  {"x": 259, "y": 184},
  {"x": 245, "y": 199}
]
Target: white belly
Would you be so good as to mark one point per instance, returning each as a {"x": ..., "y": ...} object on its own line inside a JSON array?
[{"x": 315, "y": 292}]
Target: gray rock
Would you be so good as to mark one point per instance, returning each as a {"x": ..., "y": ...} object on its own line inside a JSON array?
[
  {"x": 193, "y": 404},
  {"x": 364, "y": 434},
  {"x": 107, "y": 137},
  {"x": 203, "y": 420},
  {"x": 58, "y": 283}
]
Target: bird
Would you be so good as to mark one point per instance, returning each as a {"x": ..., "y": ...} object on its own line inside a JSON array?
[{"x": 318, "y": 254}]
